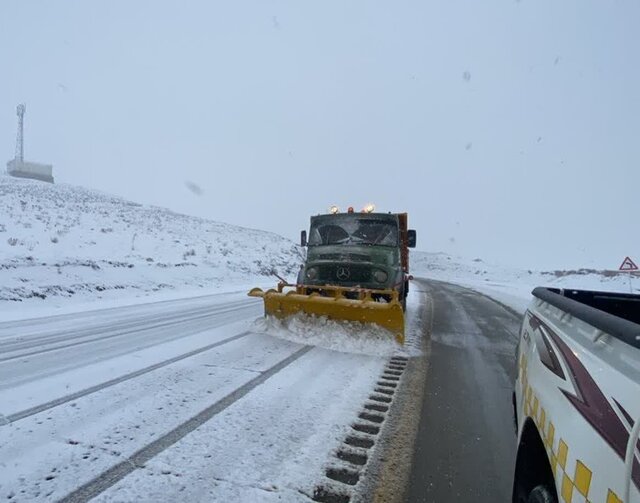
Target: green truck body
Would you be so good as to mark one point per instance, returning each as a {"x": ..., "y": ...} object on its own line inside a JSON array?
[{"x": 359, "y": 250}]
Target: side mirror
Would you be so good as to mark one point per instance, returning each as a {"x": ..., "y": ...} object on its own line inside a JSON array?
[
  {"x": 303, "y": 238},
  {"x": 411, "y": 238}
]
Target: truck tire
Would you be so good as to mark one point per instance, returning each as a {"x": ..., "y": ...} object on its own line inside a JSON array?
[
  {"x": 403, "y": 297},
  {"x": 541, "y": 494},
  {"x": 533, "y": 480}
]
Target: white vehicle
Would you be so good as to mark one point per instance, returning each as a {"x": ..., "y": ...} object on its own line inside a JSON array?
[{"x": 577, "y": 398}]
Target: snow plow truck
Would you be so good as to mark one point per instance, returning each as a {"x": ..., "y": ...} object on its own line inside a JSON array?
[{"x": 356, "y": 269}]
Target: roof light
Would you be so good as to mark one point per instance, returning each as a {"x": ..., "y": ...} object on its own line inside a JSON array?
[
  {"x": 369, "y": 208},
  {"x": 350, "y": 210},
  {"x": 334, "y": 209}
]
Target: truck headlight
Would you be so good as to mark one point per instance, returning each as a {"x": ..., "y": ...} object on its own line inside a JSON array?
[
  {"x": 312, "y": 273},
  {"x": 380, "y": 276}
]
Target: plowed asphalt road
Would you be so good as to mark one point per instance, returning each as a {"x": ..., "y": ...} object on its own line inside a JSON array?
[{"x": 464, "y": 450}]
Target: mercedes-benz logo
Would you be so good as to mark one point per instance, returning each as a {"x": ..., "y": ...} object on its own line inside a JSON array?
[{"x": 343, "y": 273}]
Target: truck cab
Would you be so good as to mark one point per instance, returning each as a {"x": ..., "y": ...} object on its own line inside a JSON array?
[{"x": 359, "y": 250}]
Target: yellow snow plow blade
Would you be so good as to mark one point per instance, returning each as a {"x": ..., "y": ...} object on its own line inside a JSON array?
[{"x": 333, "y": 304}]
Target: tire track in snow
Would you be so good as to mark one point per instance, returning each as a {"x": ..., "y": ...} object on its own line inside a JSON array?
[
  {"x": 22, "y": 341},
  {"x": 121, "y": 311},
  {"x": 137, "y": 460},
  {"x": 11, "y": 418},
  {"x": 138, "y": 327}
]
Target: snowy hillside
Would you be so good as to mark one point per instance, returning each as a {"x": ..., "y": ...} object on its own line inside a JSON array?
[
  {"x": 513, "y": 286},
  {"x": 60, "y": 241}
]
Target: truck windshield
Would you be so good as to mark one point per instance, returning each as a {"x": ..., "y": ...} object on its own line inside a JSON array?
[{"x": 353, "y": 231}]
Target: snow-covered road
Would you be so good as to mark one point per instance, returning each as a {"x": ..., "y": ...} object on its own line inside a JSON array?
[
  {"x": 50, "y": 346},
  {"x": 173, "y": 400}
]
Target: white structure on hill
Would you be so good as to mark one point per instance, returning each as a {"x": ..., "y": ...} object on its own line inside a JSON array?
[{"x": 18, "y": 166}]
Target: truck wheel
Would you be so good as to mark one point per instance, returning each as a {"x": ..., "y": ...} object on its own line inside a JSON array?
[
  {"x": 533, "y": 480},
  {"x": 405, "y": 293},
  {"x": 541, "y": 494}
]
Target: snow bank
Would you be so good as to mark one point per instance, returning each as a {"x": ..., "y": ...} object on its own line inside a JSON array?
[
  {"x": 344, "y": 336},
  {"x": 513, "y": 286}
]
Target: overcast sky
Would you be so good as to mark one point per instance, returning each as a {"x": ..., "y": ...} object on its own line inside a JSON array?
[{"x": 508, "y": 130}]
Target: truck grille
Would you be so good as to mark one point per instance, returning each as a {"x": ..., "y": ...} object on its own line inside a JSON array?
[
  {"x": 345, "y": 257},
  {"x": 335, "y": 273}
]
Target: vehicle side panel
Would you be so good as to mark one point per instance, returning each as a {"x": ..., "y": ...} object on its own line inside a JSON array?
[{"x": 571, "y": 396}]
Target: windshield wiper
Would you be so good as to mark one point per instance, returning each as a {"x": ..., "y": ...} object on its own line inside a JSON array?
[{"x": 348, "y": 240}]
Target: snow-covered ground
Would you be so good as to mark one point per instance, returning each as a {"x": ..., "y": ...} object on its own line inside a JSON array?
[
  {"x": 513, "y": 286},
  {"x": 184, "y": 400},
  {"x": 71, "y": 245}
]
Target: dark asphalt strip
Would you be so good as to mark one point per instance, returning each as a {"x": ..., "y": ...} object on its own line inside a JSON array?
[
  {"x": 509, "y": 309},
  {"x": 67, "y": 398},
  {"x": 465, "y": 447},
  {"x": 112, "y": 476}
]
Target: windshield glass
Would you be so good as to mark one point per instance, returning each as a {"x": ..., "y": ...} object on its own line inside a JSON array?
[{"x": 353, "y": 231}]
